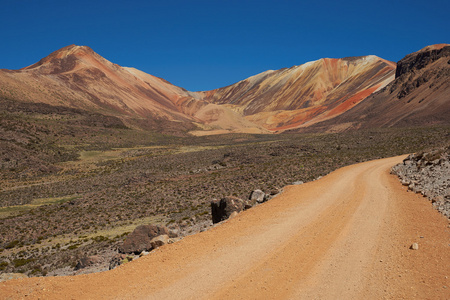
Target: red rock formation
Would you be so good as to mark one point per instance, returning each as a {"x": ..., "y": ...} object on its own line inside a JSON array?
[{"x": 305, "y": 94}]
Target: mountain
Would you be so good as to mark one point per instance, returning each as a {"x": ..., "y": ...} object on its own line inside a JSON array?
[
  {"x": 305, "y": 94},
  {"x": 327, "y": 94},
  {"x": 419, "y": 96},
  {"x": 77, "y": 77}
]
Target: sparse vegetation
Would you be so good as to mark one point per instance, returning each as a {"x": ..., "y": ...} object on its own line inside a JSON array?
[{"x": 65, "y": 179}]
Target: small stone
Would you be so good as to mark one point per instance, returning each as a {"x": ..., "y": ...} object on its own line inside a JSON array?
[
  {"x": 414, "y": 246},
  {"x": 144, "y": 253},
  {"x": 233, "y": 214},
  {"x": 257, "y": 196},
  {"x": 159, "y": 241}
]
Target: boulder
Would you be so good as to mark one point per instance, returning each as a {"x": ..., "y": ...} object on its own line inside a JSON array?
[
  {"x": 257, "y": 196},
  {"x": 140, "y": 239},
  {"x": 173, "y": 233},
  {"x": 223, "y": 208}
]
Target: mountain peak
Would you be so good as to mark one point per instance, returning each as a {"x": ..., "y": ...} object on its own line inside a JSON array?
[
  {"x": 62, "y": 60},
  {"x": 72, "y": 49},
  {"x": 420, "y": 59},
  {"x": 433, "y": 47}
]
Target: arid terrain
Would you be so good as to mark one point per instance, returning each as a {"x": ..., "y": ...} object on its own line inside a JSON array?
[
  {"x": 345, "y": 236},
  {"x": 90, "y": 150},
  {"x": 75, "y": 200}
]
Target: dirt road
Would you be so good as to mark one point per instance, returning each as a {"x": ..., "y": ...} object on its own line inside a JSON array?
[{"x": 345, "y": 236}]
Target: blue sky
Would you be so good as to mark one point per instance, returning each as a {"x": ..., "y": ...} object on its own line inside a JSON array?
[{"x": 202, "y": 45}]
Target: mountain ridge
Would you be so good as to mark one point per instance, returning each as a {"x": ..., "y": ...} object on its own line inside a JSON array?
[
  {"x": 301, "y": 91},
  {"x": 419, "y": 96},
  {"x": 271, "y": 101}
]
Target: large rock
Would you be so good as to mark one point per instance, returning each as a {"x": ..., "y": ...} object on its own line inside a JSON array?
[
  {"x": 140, "y": 239},
  {"x": 223, "y": 208}
]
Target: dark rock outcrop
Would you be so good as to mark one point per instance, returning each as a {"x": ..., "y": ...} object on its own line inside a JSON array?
[
  {"x": 223, "y": 208},
  {"x": 140, "y": 239},
  {"x": 419, "y": 60}
]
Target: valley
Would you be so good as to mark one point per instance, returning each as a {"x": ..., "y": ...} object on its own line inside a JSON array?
[
  {"x": 85, "y": 191},
  {"x": 89, "y": 150}
]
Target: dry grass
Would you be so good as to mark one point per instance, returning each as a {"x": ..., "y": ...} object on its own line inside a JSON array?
[{"x": 17, "y": 209}]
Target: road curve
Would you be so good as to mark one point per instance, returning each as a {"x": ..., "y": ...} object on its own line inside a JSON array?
[{"x": 345, "y": 236}]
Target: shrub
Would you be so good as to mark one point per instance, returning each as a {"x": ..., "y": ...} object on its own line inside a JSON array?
[
  {"x": 72, "y": 247},
  {"x": 21, "y": 262},
  {"x": 13, "y": 244}
]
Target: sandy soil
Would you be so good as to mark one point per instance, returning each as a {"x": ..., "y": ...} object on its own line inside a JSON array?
[{"x": 345, "y": 236}]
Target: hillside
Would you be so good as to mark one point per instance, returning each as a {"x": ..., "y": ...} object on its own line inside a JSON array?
[{"x": 419, "y": 96}]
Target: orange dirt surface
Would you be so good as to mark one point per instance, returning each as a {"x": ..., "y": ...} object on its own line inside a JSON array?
[{"x": 345, "y": 236}]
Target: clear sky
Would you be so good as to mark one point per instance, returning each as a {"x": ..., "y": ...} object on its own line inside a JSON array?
[{"x": 206, "y": 44}]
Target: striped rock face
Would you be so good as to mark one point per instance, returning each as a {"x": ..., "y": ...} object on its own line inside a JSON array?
[{"x": 305, "y": 94}]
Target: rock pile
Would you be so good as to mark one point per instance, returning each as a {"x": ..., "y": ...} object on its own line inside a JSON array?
[
  {"x": 138, "y": 243},
  {"x": 228, "y": 207},
  {"x": 222, "y": 209},
  {"x": 428, "y": 173}
]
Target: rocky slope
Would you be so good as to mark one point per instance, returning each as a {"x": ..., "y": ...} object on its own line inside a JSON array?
[
  {"x": 418, "y": 96},
  {"x": 428, "y": 173}
]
